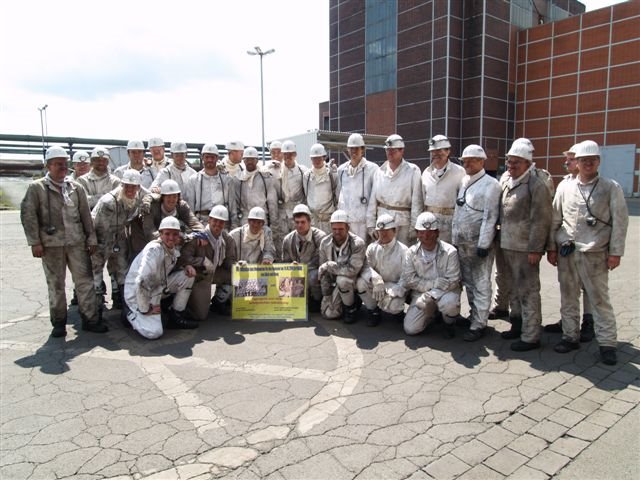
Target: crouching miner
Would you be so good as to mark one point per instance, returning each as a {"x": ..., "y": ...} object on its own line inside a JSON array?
[
  {"x": 380, "y": 284},
  {"x": 432, "y": 271},
  {"x": 341, "y": 258},
  {"x": 152, "y": 278}
]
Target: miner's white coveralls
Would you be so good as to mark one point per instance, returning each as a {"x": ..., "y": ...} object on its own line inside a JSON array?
[
  {"x": 399, "y": 194},
  {"x": 151, "y": 278},
  {"x": 434, "y": 278},
  {"x": 354, "y": 187},
  {"x": 112, "y": 218},
  {"x": 257, "y": 189},
  {"x": 95, "y": 186},
  {"x": 503, "y": 280},
  {"x": 474, "y": 227},
  {"x": 525, "y": 219},
  {"x": 203, "y": 192},
  {"x": 383, "y": 269},
  {"x": 440, "y": 188},
  {"x": 146, "y": 175},
  {"x": 587, "y": 265},
  {"x": 320, "y": 186},
  {"x": 172, "y": 172},
  {"x": 305, "y": 250},
  {"x": 232, "y": 169},
  {"x": 339, "y": 269},
  {"x": 66, "y": 208}
]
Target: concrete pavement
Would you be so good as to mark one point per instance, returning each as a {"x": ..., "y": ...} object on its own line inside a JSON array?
[{"x": 308, "y": 400}]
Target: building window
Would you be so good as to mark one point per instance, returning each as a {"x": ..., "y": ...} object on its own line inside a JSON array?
[
  {"x": 381, "y": 42},
  {"x": 522, "y": 13}
]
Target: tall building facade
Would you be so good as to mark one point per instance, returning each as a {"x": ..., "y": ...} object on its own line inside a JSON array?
[{"x": 427, "y": 67}]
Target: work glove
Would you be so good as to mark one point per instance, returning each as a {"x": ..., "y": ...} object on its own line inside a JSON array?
[
  {"x": 441, "y": 283},
  {"x": 482, "y": 252},
  {"x": 241, "y": 263},
  {"x": 567, "y": 249},
  {"x": 396, "y": 291},
  {"x": 378, "y": 292},
  {"x": 373, "y": 233},
  {"x": 328, "y": 267},
  {"x": 199, "y": 236},
  {"x": 208, "y": 265}
]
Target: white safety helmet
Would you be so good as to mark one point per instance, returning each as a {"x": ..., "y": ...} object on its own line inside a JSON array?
[
  {"x": 250, "y": 152},
  {"x": 131, "y": 177},
  {"x": 156, "y": 142},
  {"x": 100, "y": 152},
  {"x": 572, "y": 150},
  {"x": 520, "y": 149},
  {"x": 169, "y": 223},
  {"x": 355, "y": 140},
  {"x": 257, "y": 213},
  {"x": 301, "y": 208},
  {"x": 55, "y": 152},
  {"x": 385, "y": 222},
  {"x": 178, "y": 147},
  {"x": 275, "y": 144},
  {"x": 525, "y": 141},
  {"x": 426, "y": 221},
  {"x": 339, "y": 216},
  {"x": 81, "y": 156},
  {"x": 473, "y": 151},
  {"x": 438, "y": 142},
  {"x": 211, "y": 148},
  {"x": 169, "y": 187},
  {"x": 288, "y": 147},
  {"x": 394, "y": 141},
  {"x": 219, "y": 212},
  {"x": 235, "y": 145},
  {"x": 135, "y": 145},
  {"x": 317, "y": 150},
  {"x": 588, "y": 148}
]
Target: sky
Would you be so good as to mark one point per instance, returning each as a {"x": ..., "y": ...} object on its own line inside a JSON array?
[{"x": 178, "y": 70}]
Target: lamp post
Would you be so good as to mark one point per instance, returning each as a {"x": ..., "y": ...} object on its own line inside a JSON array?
[
  {"x": 258, "y": 51},
  {"x": 42, "y": 111}
]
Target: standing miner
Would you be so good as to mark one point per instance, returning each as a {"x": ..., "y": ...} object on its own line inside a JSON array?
[
  {"x": 440, "y": 184},
  {"x": 57, "y": 222},
  {"x": 589, "y": 226}
]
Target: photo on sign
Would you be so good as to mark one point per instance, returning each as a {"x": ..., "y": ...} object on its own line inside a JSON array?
[
  {"x": 291, "y": 287},
  {"x": 251, "y": 287}
]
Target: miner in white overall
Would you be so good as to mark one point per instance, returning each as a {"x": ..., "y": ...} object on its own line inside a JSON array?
[
  {"x": 431, "y": 270},
  {"x": 98, "y": 181},
  {"x": 525, "y": 219},
  {"x": 342, "y": 256},
  {"x": 589, "y": 228},
  {"x": 586, "y": 330},
  {"x": 380, "y": 284},
  {"x": 302, "y": 246},
  {"x": 231, "y": 163},
  {"x": 320, "y": 189},
  {"x": 57, "y": 222},
  {"x": 112, "y": 217},
  {"x": 440, "y": 184},
  {"x": 355, "y": 181},
  {"x": 178, "y": 170},
  {"x": 397, "y": 190},
  {"x": 135, "y": 151},
  {"x": 256, "y": 189},
  {"x": 474, "y": 228},
  {"x": 81, "y": 165},
  {"x": 158, "y": 159},
  {"x": 153, "y": 276},
  {"x": 211, "y": 187}
]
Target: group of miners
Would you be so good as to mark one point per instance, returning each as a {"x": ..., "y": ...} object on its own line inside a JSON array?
[{"x": 389, "y": 238}]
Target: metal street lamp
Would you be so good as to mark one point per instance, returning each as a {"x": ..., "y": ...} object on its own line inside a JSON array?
[
  {"x": 258, "y": 51},
  {"x": 43, "y": 110}
]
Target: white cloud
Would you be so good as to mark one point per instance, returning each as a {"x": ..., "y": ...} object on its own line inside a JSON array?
[{"x": 179, "y": 70}]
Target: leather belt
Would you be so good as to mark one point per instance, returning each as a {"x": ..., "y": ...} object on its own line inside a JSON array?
[
  {"x": 391, "y": 207},
  {"x": 440, "y": 210}
]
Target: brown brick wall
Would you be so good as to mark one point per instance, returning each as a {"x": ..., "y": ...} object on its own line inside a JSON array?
[{"x": 592, "y": 64}]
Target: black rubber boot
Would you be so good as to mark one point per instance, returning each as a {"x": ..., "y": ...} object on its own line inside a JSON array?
[
  {"x": 553, "y": 327},
  {"x": 586, "y": 331},
  {"x": 59, "y": 329},
  {"x": 349, "y": 314},
  {"x": 516, "y": 329},
  {"x": 179, "y": 320},
  {"x": 373, "y": 317}
]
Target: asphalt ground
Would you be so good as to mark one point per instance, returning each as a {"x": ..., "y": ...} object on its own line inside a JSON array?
[{"x": 316, "y": 399}]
